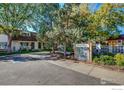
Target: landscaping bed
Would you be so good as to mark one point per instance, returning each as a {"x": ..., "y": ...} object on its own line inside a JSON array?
[
  {"x": 110, "y": 61},
  {"x": 109, "y": 67}
]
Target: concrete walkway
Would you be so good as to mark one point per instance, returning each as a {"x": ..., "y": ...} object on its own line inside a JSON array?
[{"x": 92, "y": 70}]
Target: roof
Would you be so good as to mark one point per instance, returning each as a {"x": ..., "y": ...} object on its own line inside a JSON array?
[
  {"x": 24, "y": 38},
  {"x": 32, "y": 37},
  {"x": 121, "y": 37}
]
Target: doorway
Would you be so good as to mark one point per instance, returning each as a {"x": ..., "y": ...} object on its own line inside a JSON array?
[{"x": 32, "y": 45}]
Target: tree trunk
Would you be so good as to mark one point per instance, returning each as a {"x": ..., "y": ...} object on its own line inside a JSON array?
[
  {"x": 64, "y": 50},
  {"x": 9, "y": 43},
  {"x": 90, "y": 51},
  {"x": 74, "y": 50},
  {"x": 53, "y": 49}
]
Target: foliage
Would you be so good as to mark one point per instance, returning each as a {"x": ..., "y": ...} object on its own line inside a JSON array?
[
  {"x": 15, "y": 16},
  {"x": 72, "y": 23},
  {"x": 69, "y": 49},
  {"x": 108, "y": 53},
  {"x": 76, "y": 23},
  {"x": 105, "y": 60},
  {"x": 119, "y": 59},
  {"x": 103, "y": 54},
  {"x": 107, "y": 19},
  {"x": 96, "y": 60},
  {"x": 13, "y": 19}
]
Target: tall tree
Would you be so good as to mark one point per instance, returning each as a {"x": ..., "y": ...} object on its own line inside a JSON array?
[
  {"x": 103, "y": 23},
  {"x": 44, "y": 20},
  {"x": 71, "y": 19}
]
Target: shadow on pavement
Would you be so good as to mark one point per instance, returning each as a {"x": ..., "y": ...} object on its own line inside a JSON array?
[{"x": 26, "y": 58}]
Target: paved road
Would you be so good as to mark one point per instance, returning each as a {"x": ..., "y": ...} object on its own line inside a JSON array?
[
  {"x": 25, "y": 57},
  {"x": 39, "y": 72}
]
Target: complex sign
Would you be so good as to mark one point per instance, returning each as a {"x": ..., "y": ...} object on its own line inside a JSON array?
[{"x": 82, "y": 52}]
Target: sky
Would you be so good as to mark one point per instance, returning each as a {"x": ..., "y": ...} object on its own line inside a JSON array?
[{"x": 95, "y": 6}]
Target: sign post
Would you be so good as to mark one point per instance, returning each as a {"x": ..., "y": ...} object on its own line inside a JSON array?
[{"x": 90, "y": 51}]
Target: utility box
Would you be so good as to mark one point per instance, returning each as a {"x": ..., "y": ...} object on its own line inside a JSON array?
[{"x": 81, "y": 52}]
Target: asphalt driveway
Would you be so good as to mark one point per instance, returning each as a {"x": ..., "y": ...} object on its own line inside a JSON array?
[{"x": 20, "y": 70}]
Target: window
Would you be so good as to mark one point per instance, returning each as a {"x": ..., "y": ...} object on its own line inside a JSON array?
[
  {"x": 24, "y": 45},
  {"x": 26, "y": 34},
  {"x": 119, "y": 41},
  {"x": 3, "y": 45},
  {"x": 39, "y": 45},
  {"x": 32, "y": 45}
]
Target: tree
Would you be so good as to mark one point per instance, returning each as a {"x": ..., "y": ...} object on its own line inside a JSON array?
[
  {"x": 54, "y": 24},
  {"x": 44, "y": 21},
  {"x": 103, "y": 23},
  {"x": 76, "y": 23},
  {"x": 13, "y": 18},
  {"x": 64, "y": 25}
]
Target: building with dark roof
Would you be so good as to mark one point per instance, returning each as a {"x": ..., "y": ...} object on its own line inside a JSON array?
[{"x": 116, "y": 41}]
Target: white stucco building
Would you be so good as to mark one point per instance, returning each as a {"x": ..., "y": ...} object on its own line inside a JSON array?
[{"x": 27, "y": 40}]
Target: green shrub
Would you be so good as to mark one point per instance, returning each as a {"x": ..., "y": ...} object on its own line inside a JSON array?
[
  {"x": 96, "y": 56},
  {"x": 69, "y": 49},
  {"x": 2, "y": 53},
  {"x": 105, "y": 60},
  {"x": 109, "y": 54},
  {"x": 96, "y": 60},
  {"x": 119, "y": 59}
]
